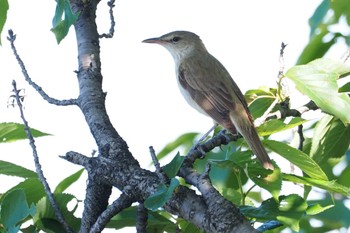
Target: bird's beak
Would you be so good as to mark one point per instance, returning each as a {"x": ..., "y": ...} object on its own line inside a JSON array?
[{"x": 156, "y": 40}]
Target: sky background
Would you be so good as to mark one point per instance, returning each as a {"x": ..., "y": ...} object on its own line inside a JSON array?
[{"x": 143, "y": 100}]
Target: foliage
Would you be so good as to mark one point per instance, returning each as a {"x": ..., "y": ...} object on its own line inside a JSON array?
[
  {"x": 318, "y": 80},
  {"x": 322, "y": 35},
  {"x": 27, "y": 201},
  {"x": 4, "y": 6},
  {"x": 161, "y": 196},
  {"x": 10, "y": 132},
  {"x": 14, "y": 208},
  {"x": 60, "y": 26}
]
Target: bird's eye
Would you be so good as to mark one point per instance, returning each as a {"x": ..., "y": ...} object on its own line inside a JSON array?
[{"x": 175, "y": 39}]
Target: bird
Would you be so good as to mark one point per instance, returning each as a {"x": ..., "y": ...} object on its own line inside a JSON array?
[{"x": 209, "y": 88}]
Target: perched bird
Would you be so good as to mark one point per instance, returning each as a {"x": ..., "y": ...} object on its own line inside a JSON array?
[{"x": 208, "y": 87}]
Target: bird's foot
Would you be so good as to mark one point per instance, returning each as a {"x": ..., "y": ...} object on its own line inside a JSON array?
[
  {"x": 200, "y": 149},
  {"x": 207, "y": 134},
  {"x": 227, "y": 137},
  {"x": 198, "y": 145}
]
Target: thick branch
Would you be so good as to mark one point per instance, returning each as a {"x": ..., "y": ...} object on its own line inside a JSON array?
[
  {"x": 91, "y": 101},
  {"x": 185, "y": 202}
]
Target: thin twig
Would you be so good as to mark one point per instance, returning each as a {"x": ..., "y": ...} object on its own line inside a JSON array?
[
  {"x": 281, "y": 87},
  {"x": 286, "y": 112},
  {"x": 37, "y": 163},
  {"x": 346, "y": 55},
  {"x": 111, "y": 16},
  {"x": 301, "y": 137},
  {"x": 159, "y": 170},
  {"x": 12, "y": 38}
]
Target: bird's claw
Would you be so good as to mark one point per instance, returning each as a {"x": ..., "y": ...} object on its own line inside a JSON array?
[{"x": 227, "y": 137}]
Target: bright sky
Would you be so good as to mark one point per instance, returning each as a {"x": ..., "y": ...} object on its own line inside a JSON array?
[{"x": 143, "y": 99}]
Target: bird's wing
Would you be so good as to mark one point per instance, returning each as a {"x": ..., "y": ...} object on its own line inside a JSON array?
[{"x": 216, "y": 96}]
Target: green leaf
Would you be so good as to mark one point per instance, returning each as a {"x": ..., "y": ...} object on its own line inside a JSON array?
[
  {"x": 288, "y": 210},
  {"x": 4, "y": 6},
  {"x": 183, "y": 140},
  {"x": 318, "y": 80},
  {"x": 317, "y": 48},
  {"x": 10, "y": 132},
  {"x": 277, "y": 125},
  {"x": 126, "y": 218},
  {"x": 338, "y": 216},
  {"x": 228, "y": 168},
  {"x": 224, "y": 176},
  {"x": 188, "y": 227},
  {"x": 297, "y": 157},
  {"x": 234, "y": 160},
  {"x": 316, "y": 208},
  {"x": 155, "y": 220},
  {"x": 331, "y": 139},
  {"x": 11, "y": 169},
  {"x": 172, "y": 168},
  {"x": 295, "y": 206},
  {"x": 272, "y": 182},
  {"x": 345, "y": 88},
  {"x": 29, "y": 229},
  {"x": 232, "y": 195},
  {"x": 318, "y": 16},
  {"x": 262, "y": 92},
  {"x": 161, "y": 196},
  {"x": 14, "y": 208},
  {"x": 68, "y": 181},
  {"x": 159, "y": 222},
  {"x": 344, "y": 177},
  {"x": 60, "y": 26},
  {"x": 260, "y": 100},
  {"x": 32, "y": 188},
  {"x": 341, "y": 8},
  {"x": 45, "y": 217},
  {"x": 260, "y": 105},
  {"x": 331, "y": 186}
]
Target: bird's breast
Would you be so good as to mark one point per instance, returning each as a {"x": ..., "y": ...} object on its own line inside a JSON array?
[{"x": 185, "y": 93}]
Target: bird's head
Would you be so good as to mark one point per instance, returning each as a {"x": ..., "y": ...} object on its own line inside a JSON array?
[{"x": 179, "y": 43}]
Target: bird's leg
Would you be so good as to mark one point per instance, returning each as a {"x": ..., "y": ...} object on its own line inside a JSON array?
[
  {"x": 197, "y": 145},
  {"x": 207, "y": 133},
  {"x": 228, "y": 137}
]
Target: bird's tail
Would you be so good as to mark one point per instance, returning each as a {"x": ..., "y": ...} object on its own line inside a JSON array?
[
  {"x": 253, "y": 140},
  {"x": 244, "y": 124}
]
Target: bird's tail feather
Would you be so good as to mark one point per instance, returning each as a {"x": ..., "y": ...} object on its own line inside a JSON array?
[
  {"x": 244, "y": 124},
  {"x": 253, "y": 140}
]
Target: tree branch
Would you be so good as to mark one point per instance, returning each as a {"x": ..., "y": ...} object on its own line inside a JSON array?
[
  {"x": 141, "y": 219},
  {"x": 111, "y": 16},
  {"x": 184, "y": 202},
  {"x": 285, "y": 111},
  {"x": 12, "y": 38},
  {"x": 159, "y": 170},
  {"x": 123, "y": 202},
  {"x": 39, "y": 171}
]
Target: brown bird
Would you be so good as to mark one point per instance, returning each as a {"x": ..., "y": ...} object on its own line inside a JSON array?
[{"x": 208, "y": 87}]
